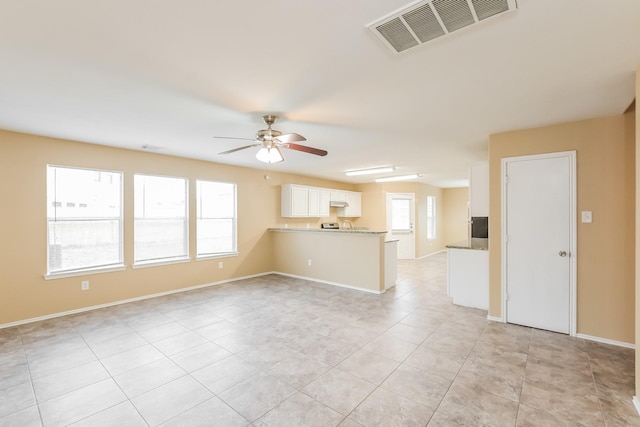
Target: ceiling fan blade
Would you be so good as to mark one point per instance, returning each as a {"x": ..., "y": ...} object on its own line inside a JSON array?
[
  {"x": 233, "y": 137},
  {"x": 290, "y": 137},
  {"x": 305, "y": 149},
  {"x": 240, "y": 148}
]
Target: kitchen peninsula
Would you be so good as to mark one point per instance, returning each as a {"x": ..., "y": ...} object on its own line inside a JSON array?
[
  {"x": 358, "y": 259},
  {"x": 468, "y": 273}
]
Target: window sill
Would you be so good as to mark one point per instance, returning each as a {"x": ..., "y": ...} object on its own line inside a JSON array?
[
  {"x": 166, "y": 261},
  {"x": 216, "y": 256},
  {"x": 74, "y": 273}
]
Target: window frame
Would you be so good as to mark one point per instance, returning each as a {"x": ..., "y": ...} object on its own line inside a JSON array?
[
  {"x": 234, "y": 219},
  {"x": 164, "y": 260},
  {"x": 79, "y": 271}
]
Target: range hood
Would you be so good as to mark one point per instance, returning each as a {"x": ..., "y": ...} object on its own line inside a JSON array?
[{"x": 338, "y": 204}]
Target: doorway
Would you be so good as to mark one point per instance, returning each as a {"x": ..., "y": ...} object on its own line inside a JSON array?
[
  {"x": 539, "y": 241},
  {"x": 400, "y": 221}
]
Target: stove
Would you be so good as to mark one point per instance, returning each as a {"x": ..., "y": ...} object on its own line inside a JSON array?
[{"x": 330, "y": 225}]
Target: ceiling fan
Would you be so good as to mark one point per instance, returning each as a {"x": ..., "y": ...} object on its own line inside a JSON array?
[{"x": 271, "y": 141}]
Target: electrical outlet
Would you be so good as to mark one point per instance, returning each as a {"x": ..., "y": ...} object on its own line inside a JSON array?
[
  {"x": 309, "y": 262},
  {"x": 220, "y": 264},
  {"x": 84, "y": 285}
]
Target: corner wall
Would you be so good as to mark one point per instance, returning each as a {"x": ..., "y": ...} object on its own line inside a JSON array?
[
  {"x": 606, "y": 248},
  {"x": 455, "y": 202}
]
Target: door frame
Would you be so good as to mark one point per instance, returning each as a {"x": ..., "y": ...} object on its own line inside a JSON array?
[
  {"x": 573, "y": 254},
  {"x": 412, "y": 197}
]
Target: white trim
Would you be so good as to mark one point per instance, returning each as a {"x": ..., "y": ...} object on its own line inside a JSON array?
[
  {"x": 140, "y": 298},
  {"x": 166, "y": 261},
  {"x": 326, "y": 282},
  {"x": 216, "y": 256},
  {"x": 496, "y": 319},
  {"x": 606, "y": 341},
  {"x": 636, "y": 403},
  {"x": 86, "y": 271},
  {"x": 432, "y": 253},
  {"x": 571, "y": 155}
]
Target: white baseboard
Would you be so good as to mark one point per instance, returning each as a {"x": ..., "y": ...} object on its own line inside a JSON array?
[
  {"x": 495, "y": 319},
  {"x": 326, "y": 282},
  {"x": 119, "y": 302},
  {"x": 636, "y": 403},
  {"x": 606, "y": 341}
]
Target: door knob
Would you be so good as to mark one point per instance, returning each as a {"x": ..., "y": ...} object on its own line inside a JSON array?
[{"x": 562, "y": 253}]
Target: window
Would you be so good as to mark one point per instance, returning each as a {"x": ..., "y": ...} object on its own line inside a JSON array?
[
  {"x": 87, "y": 238},
  {"x": 431, "y": 217},
  {"x": 401, "y": 214},
  {"x": 160, "y": 219},
  {"x": 216, "y": 219}
]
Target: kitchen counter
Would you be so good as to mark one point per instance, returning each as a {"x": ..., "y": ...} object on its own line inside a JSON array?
[
  {"x": 474, "y": 243},
  {"x": 328, "y": 230},
  {"x": 468, "y": 273},
  {"x": 357, "y": 259}
]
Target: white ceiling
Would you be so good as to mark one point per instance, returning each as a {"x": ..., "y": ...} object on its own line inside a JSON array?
[{"x": 173, "y": 74}]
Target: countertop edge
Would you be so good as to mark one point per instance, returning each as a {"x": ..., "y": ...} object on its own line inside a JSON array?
[
  {"x": 324, "y": 230},
  {"x": 474, "y": 244}
]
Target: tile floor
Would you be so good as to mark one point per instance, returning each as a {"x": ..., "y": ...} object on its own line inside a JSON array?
[{"x": 278, "y": 351}]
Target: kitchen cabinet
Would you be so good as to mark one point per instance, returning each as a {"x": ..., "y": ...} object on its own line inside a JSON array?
[
  {"x": 354, "y": 200},
  {"x": 479, "y": 189},
  {"x": 468, "y": 273},
  {"x": 313, "y": 202},
  {"x": 325, "y": 199},
  {"x": 337, "y": 196},
  {"x": 295, "y": 201}
]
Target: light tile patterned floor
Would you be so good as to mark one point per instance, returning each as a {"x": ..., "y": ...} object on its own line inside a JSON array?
[{"x": 278, "y": 351}]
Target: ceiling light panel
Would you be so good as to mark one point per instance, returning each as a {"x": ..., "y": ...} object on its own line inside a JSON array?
[
  {"x": 370, "y": 171},
  {"x": 398, "y": 178},
  {"x": 429, "y": 20}
]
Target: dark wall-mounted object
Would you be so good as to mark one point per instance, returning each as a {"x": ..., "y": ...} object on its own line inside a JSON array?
[{"x": 480, "y": 226}]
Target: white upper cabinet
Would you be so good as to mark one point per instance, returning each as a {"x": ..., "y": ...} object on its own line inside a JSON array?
[
  {"x": 295, "y": 201},
  {"x": 337, "y": 195},
  {"x": 354, "y": 200},
  {"x": 479, "y": 189},
  {"x": 325, "y": 199},
  {"x": 314, "y": 202}
]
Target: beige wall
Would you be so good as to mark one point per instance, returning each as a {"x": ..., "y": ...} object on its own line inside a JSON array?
[
  {"x": 455, "y": 202},
  {"x": 374, "y": 201},
  {"x": 606, "y": 186},
  {"x": 25, "y": 294}
]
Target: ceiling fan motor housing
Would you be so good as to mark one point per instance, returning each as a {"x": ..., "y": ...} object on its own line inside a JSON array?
[{"x": 267, "y": 134}]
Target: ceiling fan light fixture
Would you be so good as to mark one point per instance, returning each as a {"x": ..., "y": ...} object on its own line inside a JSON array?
[
  {"x": 398, "y": 178},
  {"x": 269, "y": 155},
  {"x": 370, "y": 171}
]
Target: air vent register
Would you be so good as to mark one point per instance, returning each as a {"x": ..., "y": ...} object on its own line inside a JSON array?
[{"x": 429, "y": 20}]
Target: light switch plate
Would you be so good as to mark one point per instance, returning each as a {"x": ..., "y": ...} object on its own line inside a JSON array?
[{"x": 587, "y": 217}]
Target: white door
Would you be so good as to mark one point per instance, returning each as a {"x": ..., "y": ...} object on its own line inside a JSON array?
[
  {"x": 400, "y": 220},
  {"x": 538, "y": 241}
]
